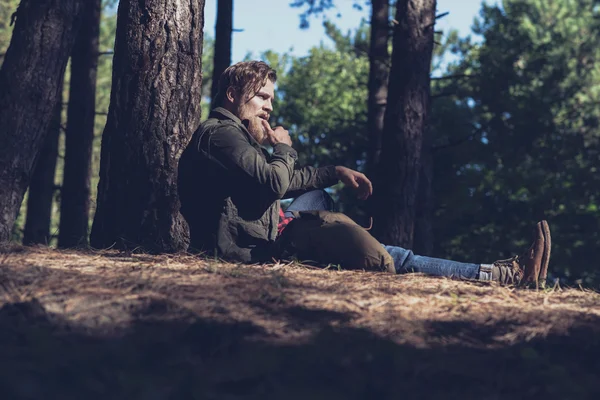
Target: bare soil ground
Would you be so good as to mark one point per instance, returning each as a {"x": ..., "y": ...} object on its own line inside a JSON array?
[{"x": 110, "y": 325}]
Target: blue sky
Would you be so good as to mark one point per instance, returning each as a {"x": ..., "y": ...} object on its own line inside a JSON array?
[{"x": 274, "y": 25}]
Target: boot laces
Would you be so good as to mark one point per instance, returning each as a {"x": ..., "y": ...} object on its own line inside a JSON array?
[{"x": 510, "y": 270}]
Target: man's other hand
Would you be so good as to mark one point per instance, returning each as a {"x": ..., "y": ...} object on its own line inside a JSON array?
[
  {"x": 278, "y": 135},
  {"x": 356, "y": 180}
]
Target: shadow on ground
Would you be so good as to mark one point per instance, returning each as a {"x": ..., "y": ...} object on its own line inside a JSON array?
[{"x": 44, "y": 357}]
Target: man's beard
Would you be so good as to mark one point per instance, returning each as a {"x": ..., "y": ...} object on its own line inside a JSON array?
[{"x": 253, "y": 124}]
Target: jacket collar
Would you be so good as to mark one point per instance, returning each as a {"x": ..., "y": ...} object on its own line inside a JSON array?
[{"x": 223, "y": 113}]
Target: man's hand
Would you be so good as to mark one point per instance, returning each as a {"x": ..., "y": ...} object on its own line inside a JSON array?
[
  {"x": 279, "y": 135},
  {"x": 356, "y": 180}
]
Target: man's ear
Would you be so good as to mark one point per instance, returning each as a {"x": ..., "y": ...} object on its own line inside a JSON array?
[{"x": 230, "y": 94}]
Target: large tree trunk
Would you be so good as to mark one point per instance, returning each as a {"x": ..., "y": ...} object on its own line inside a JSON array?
[
  {"x": 154, "y": 109},
  {"x": 379, "y": 59},
  {"x": 75, "y": 193},
  {"x": 222, "y": 51},
  {"x": 30, "y": 83},
  {"x": 41, "y": 188},
  {"x": 405, "y": 122}
]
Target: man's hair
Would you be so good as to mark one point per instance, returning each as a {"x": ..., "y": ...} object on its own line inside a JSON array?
[{"x": 246, "y": 78}]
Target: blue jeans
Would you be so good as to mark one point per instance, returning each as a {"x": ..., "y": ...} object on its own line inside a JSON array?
[{"x": 404, "y": 260}]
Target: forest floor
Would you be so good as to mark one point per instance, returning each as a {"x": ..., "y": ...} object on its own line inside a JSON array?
[{"x": 113, "y": 325}]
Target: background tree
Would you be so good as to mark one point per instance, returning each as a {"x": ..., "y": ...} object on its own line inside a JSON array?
[
  {"x": 379, "y": 61},
  {"x": 405, "y": 122},
  {"x": 154, "y": 109},
  {"x": 42, "y": 187},
  {"x": 75, "y": 193},
  {"x": 222, "y": 46},
  {"x": 532, "y": 146},
  {"x": 30, "y": 82}
]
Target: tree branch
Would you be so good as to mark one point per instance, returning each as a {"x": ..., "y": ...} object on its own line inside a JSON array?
[
  {"x": 456, "y": 142},
  {"x": 441, "y": 78}
]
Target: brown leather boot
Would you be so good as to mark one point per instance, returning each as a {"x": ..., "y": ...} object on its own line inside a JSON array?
[{"x": 531, "y": 267}]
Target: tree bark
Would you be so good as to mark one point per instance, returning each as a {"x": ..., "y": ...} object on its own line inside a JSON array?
[
  {"x": 30, "y": 83},
  {"x": 222, "y": 52},
  {"x": 41, "y": 188},
  {"x": 423, "y": 242},
  {"x": 154, "y": 109},
  {"x": 405, "y": 123},
  {"x": 378, "y": 76},
  {"x": 79, "y": 137}
]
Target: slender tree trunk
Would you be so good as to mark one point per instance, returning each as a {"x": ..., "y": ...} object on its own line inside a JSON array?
[
  {"x": 405, "y": 122},
  {"x": 222, "y": 52},
  {"x": 154, "y": 109},
  {"x": 41, "y": 188},
  {"x": 30, "y": 83},
  {"x": 379, "y": 59},
  {"x": 423, "y": 242},
  {"x": 75, "y": 193}
]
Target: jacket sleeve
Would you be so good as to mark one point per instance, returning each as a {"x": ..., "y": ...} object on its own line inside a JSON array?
[
  {"x": 230, "y": 147},
  {"x": 309, "y": 178}
]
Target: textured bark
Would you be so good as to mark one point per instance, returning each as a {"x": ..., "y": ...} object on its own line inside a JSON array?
[
  {"x": 41, "y": 188},
  {"x": 222, "y": 53},
  {"x": 423, "y": 241},
  {"x": 405, "y": 123},
  {"x": 79, "y": 137},
  {"x": 154, "y": 109},
  {"x": 379, "y": 59},
  {"x": 30, "y": 82}
]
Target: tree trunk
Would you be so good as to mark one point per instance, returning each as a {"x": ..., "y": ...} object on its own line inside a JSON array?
[
  {"x": 41, "y": 188},
  {"x": 154, "y": 109},
  {"x": 30, "y": 83},
  {"x": 79, "y": 137},
  {"x": 378, "y": 76},
  {"x": 222, "y": 52},
  {"x": 405, "y": 123},
  {"x": 423, "y": 242}
]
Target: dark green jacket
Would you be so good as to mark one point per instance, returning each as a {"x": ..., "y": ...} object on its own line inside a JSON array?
[{"x": 230, "y": 188}]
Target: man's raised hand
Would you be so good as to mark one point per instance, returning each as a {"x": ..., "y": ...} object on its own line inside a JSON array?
[
  {"x": 278, "y": 135},
  {"x": 356, "y": 180}
]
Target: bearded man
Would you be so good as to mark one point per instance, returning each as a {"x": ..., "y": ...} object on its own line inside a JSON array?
[{"x": 230, "y": 188}]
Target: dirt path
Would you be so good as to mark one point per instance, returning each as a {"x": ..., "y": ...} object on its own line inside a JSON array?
[{"x": 110, "y": 325}]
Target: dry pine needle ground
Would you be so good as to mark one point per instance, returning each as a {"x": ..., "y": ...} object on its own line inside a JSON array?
[{"x": 121, "y": 325}]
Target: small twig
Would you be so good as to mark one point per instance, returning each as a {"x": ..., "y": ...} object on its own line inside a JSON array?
[{"x": 459, "y": 76}]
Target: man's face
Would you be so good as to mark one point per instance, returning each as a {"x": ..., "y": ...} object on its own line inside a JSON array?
[{"x": 255, "y": 110}]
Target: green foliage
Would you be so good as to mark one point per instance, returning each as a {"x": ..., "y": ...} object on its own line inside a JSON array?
[
  {"x": 323, "y": 102},
  {"x": 530, "y": 118},
  {"x": 7, "y": 8},
  {"x": 208, "y": 51},
  {"x": 313, "y": 8}
]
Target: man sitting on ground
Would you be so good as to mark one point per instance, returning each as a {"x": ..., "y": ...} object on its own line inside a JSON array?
[{"x": 230, "y": 187}]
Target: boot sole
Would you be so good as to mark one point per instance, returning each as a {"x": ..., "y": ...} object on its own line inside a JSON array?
[{"x": 546, "y": 254}]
